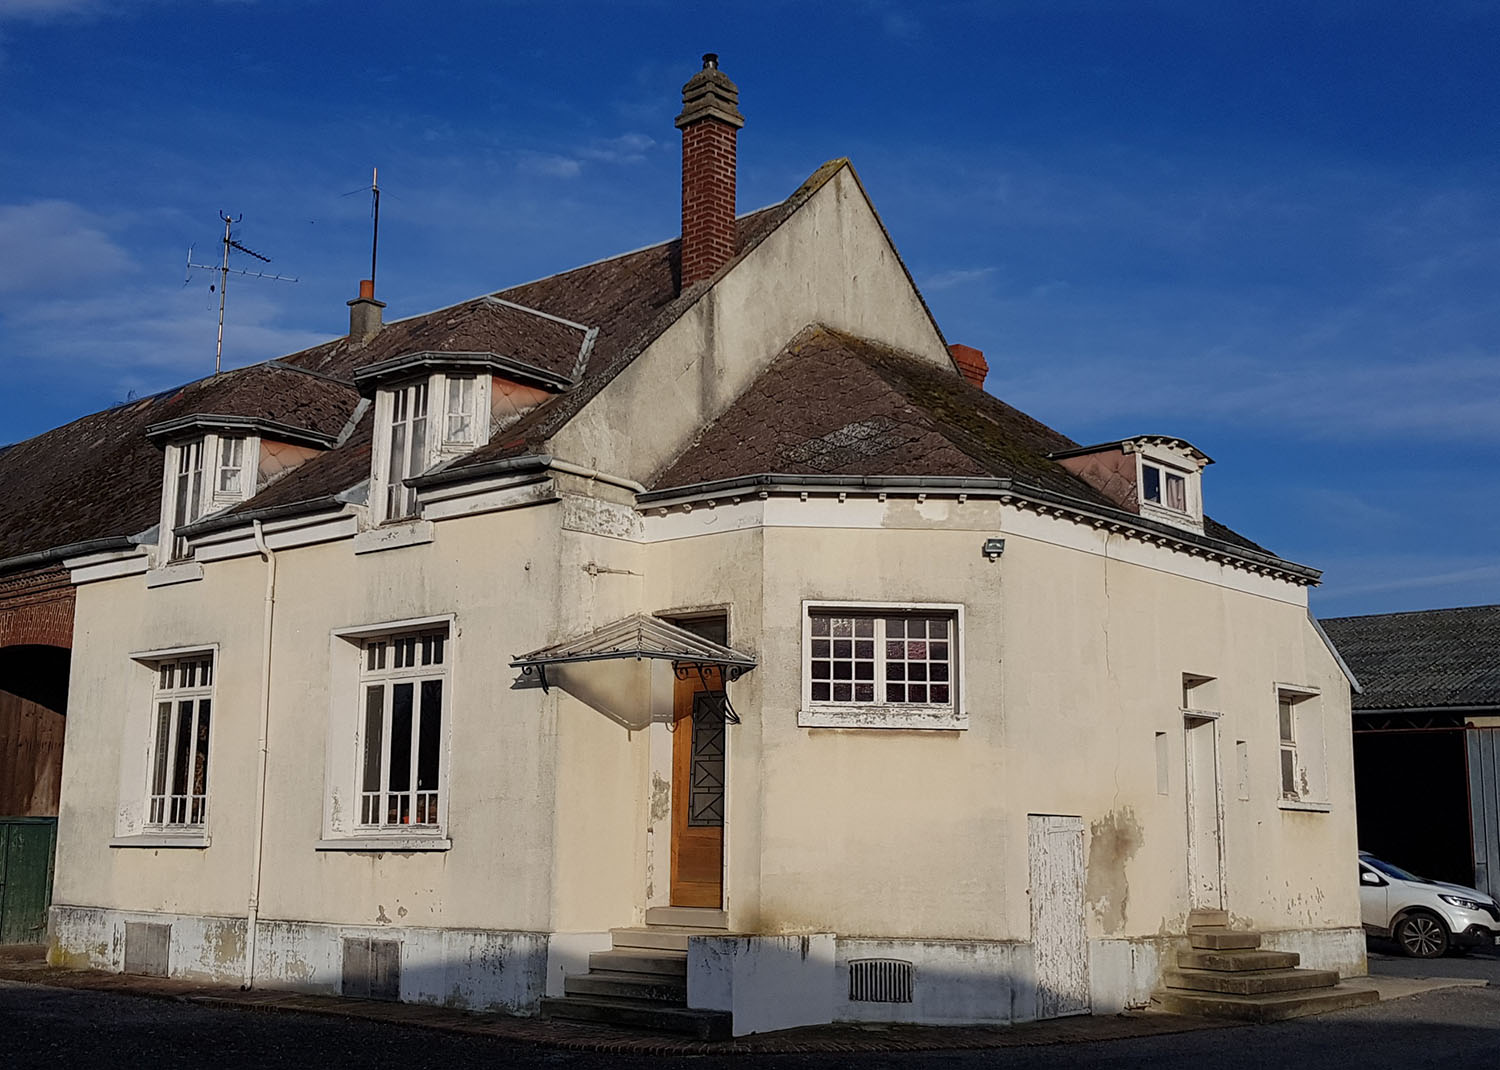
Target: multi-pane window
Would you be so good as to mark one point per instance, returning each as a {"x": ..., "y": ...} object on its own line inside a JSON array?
[
  {"x": 881, "y": 658},
  {"x": 459, "y": 422},
  {"x": 179, "y": 748},
  {"x": 402, "y": 683},
  {"x": 231, "y": 480},
  {"x": 1287, "y": 722},
  {"x": 407, "y": 448},
  {"x": 187, "y": 493},
  {"x": 1163, "y": 487}
]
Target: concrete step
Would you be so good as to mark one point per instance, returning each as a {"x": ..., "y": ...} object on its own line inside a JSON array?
[
  {"x": 641, "y": 960},
  {"x": 1237, "y": 960},
  {"x": 635, "y": 1014},
  {"x": 1250, "y": 982},
  {"x": 1272, "y": 1007},
  {"x": 1208, "y": 918},
  {"x": 658, "y": 938},
  {"x": 688, "y": 917},
  {"x": 617, "y": 984},
  {"x": 1223, "y": 940}
]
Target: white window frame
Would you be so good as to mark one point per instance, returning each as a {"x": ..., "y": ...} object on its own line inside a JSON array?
[
  {"x": 436, "y": 444},
  {"x": 1307, "y": 747},
  {"x": 1191, "y": 515},
  {"x": 880, "y": 714},
  {"x": 224, "y": 446},
  {"x": 171, "y": 549},
  {"x": 388, "y": 663},
  {"x": 344, "y": 828}
]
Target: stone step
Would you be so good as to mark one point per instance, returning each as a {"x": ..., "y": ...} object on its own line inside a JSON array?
[
  {"x": 1223, "y": 940},
  {"x": 1250, "y": 982},
  {"x": 615, "y": 984},
  {"x": 635, "y": 1014},
  {"x": 659, "y": 938},
  {"x": 641, "y": 960},
  {"x": 1234, "y": 961},
  {"x": 1208, "y": 918},
  {"x": 1272, "y": 1007},
  {"x": 688, "y": 917}
]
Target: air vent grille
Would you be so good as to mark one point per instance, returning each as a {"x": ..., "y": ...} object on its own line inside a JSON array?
[{"x": 879, "y": 981}]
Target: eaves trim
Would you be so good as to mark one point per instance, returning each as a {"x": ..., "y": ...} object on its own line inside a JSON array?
[
  {"x": 988, "y": 486},
  {"x": 300, "y": 436},
  {"x": 372, "y": 376}
]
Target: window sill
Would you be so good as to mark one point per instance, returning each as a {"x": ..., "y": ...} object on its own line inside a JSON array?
[
  {"x": 1306, "y": 807},
  {"x": 153, "y": 840},
  {"x": 380, "y": 843},
  {"x": 178, "y": 572},
  {"x": 934, "y": 717},
  {"x": 393, "y": 536}
]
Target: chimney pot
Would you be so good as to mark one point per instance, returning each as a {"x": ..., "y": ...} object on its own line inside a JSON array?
[
  {"x": 364, "y": 313},
  {"x": 971, "y": 363},
  {"x": 710, "y": 123}
]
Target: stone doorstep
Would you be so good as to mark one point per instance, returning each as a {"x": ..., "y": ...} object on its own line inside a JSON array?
[
  {"x": 1249, "y": 982},
  {"x": 615, "y": 984},
  {"x": 641, "y": 1014},
  {"x": 1271, "y": 1007},
  {"x": 1234, "y": 961},
  {"x": 661, "y": 963},
  {"x": 1216, "y": 939}
]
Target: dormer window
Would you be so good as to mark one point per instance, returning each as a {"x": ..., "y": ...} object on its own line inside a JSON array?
[
  {"x": 1164, "y": 487},
  {"x": 204, "y": 475},
  {"x": 431, "y": 407}
]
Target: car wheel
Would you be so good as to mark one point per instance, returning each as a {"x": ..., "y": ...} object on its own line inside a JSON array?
[{"x": 1422, "y": 936}]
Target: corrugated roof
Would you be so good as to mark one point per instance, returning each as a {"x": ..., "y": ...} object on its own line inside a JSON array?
[
  {"x": 1426, "y": 660},
  {"x": 637, "y": 636}
]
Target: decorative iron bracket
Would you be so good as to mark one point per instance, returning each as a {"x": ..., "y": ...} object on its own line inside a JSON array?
[
  {"x": 541, "y": 672},
  {"x": 684, "y": 671}
]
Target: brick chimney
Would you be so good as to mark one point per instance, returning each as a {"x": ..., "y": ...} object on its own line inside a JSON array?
[
  {"x": 364, "y": 313},
  {"x": 971, "y": 363},
  {"x": 710, "y": 122}
]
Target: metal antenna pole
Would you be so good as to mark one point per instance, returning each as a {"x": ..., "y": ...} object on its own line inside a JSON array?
[
  {"x": 223, "y": 290},
  {"x": 225, "y": 271},
  {"x": 375, "y": 237}
]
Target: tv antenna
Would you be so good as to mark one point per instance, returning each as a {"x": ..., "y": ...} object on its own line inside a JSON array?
[
  {"x": 374, "y": 190},
  {"x": 224, "y": 270}
]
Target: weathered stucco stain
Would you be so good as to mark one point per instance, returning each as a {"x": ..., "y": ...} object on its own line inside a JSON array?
[
  {"x": 1113, "y": 841},
  {"x": 661, "y": 798}
]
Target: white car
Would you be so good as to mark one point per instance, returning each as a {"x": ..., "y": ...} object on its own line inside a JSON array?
[{"x": 1424, "y": 917}]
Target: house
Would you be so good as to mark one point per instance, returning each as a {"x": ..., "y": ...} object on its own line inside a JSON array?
[
  {"x": 1427, "y": 739},
  {"x": 689, "y": 626}
]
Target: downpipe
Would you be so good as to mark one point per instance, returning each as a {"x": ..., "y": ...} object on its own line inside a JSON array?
[{"x": 253, "y": 913}]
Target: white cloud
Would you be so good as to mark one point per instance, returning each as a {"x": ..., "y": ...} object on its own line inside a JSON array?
[
  {"x": 550, "y": 165},
  {"x": 946, "y": 280},
  {"x": 55, "y": 244}
]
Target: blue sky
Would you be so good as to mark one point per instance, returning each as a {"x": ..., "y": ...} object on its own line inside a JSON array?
[{"x": 1270, "y": 228}]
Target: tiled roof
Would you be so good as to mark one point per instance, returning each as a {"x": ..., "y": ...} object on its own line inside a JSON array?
[
  {"x": 99, "y": 476},
  {"x": 834, "y": 404},
  {"x": 1426, "y": 660}
]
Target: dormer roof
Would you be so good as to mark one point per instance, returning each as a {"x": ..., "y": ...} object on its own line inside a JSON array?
[{"x": 1138, "y": 443}]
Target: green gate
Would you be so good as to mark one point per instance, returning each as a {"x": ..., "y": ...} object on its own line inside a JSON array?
[{"x": 26, "y": 846}]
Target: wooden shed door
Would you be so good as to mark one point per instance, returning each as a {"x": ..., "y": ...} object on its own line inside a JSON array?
[
  {"x": 1058, "y": 939},
  {"x": 698, "y": 792},
  {"x": 26, "y": 848}
]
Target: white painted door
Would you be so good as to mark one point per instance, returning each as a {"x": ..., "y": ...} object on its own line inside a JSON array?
[
  {"x": 1058, "y": 939},
  {"x": 1204, "y": 814}
]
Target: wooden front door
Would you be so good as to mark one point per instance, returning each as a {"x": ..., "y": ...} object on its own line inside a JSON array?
[{"x": 698, "y": 791}]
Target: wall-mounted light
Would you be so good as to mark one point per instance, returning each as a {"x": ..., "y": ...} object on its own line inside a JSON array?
[{"x": 993, "y": 548}]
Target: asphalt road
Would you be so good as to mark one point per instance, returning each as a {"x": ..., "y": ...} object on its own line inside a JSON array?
[
  {"x": 1450, "y": 1029},
  {"x": 1385, "y": 959}
]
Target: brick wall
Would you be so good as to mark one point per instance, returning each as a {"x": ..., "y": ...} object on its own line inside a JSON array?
[
  {"x": 708, "y": 180},
  {"x": 36, "y": 607}
]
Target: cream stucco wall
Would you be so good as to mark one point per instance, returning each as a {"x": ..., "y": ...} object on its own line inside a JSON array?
[{"x": 830, "y": 262}]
